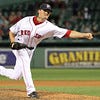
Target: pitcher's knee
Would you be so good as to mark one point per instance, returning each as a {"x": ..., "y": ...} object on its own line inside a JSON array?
[{"x": 14, "y": 77}]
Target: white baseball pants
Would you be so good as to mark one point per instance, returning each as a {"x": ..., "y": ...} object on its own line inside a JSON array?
[{"x": 21, "y": 69}]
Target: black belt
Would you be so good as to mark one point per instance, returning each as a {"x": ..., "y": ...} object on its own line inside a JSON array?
[{"x": 30, "y": 48}]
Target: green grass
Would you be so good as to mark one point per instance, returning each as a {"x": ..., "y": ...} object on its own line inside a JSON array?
[
  {"x": 90, "y": 91},
  {"x": 86, "y": 90},
  {"x": 66, "y": 74},
  {"x": 69, "y": 74}
]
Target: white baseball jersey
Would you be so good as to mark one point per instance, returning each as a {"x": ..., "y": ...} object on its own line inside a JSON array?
[{"x": 30, "y": 34}]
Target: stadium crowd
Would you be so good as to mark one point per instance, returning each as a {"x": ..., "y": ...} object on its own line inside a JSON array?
[{"x": 70, "y": 14}]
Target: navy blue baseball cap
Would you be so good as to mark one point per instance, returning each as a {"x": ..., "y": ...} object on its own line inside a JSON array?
[{"x": 46, "y": 7}]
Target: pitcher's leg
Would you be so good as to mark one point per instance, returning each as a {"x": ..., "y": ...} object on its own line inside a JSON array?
[
  {"x": 26, "y": 72},
  {"x": 6, "y": 72},
  {"x": 12, "y": 73}
]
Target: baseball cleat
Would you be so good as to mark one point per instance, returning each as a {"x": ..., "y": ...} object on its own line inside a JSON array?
[{"x": 33, "y": 95}]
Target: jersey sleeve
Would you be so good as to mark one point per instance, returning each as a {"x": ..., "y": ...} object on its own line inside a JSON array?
[
  {"x": 15, "y": 27},
  {"x": 60, "y": 32}
]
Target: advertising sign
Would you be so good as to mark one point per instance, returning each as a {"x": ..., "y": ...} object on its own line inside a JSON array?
[
  {"x": 72, "y": 58},
  {"x": 7, "y": 58}
]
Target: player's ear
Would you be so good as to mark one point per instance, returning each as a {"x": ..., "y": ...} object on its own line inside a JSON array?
[{"x": 39, "y": 10}]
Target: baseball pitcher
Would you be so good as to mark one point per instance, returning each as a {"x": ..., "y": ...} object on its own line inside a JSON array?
[{"x": 25, "y": 35}]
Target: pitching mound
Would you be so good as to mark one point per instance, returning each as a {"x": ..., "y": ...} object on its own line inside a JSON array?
[{"x": 14, "y": 94}]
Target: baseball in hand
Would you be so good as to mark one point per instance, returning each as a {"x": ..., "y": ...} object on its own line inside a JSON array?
[{"x": 89, "y": 36}]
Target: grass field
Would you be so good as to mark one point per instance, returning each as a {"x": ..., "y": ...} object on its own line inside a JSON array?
[
  {"x": 64, "y": 74},
  {"x": 67, "y": 74}
]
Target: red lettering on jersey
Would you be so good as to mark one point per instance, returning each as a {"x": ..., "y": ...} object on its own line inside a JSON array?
[
  {"x": 21, "y": 32},
  {"x": 37, "y": 36},
  {"x": 25, "y": 32}
]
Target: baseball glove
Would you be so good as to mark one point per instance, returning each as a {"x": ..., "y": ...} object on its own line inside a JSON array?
[{"x": 17, "y": 46}]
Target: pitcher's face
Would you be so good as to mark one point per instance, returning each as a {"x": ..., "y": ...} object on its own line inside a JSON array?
[{"x": 43, "y": 14}]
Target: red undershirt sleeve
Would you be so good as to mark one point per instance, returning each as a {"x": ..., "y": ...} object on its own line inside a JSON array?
[{"x": 67, "y": 34}]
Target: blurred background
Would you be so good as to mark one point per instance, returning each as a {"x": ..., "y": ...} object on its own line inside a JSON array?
[{"x": 79, "y": 15}]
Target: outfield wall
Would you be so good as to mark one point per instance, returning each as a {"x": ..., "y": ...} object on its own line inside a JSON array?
[
  {"x": 57, "y": 57},
  {"x": 67, "y": 57}
]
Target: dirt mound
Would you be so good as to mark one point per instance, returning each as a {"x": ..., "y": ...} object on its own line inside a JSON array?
[{"x": 16, "y": 94}]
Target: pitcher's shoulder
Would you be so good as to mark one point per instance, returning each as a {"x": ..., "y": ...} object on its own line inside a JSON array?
[{"x": 27, "y": 17}]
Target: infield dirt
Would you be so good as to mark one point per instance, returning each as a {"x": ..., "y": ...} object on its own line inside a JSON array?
[{"x": 18, "y": 94}]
